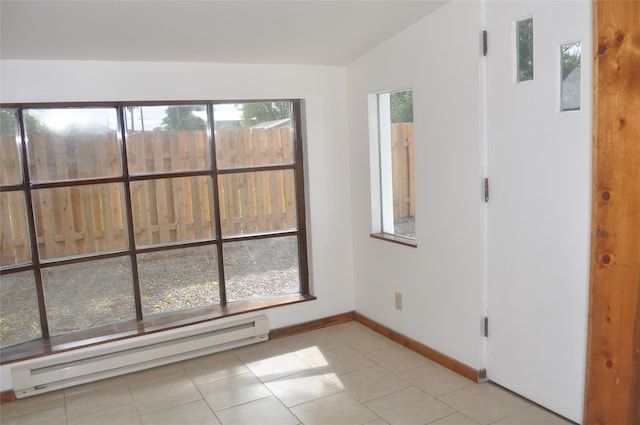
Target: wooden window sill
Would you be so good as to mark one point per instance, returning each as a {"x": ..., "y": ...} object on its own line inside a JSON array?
[
  {"x": 395, "y": 239},
  {"x": 132, "y": 329}
]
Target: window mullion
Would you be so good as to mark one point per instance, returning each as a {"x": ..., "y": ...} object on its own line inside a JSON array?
[
  {"x": 216, "y": 206},
  {"x": 35, "y": 256},
  {"x": 300, "y": 198},
  {"x": 127, "y": 199}
]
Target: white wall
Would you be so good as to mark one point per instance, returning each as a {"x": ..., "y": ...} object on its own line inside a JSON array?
[
  {"x": 324, "y": 91},
  {"x": 442, "y": 279}
]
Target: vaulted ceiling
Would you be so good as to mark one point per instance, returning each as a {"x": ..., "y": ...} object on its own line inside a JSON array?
[{"x": 288, "y": 32}]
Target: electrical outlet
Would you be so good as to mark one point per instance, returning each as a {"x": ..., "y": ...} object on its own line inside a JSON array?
[{"x": 398, "y": 301}]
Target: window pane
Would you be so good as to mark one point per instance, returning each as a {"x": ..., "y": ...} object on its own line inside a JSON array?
[
  {"x": 257, "y": 202},
  {"x": 172, "y": 210},
  {"x": 11, "y": 170},
  {"x": 570, "y": 85},
  {"x": 179, "y": 279},
  {"x": 19, "y": 317},
  {"x": 16, "y": 247},
  {"x": 261, "y": 268},
  {"x": 397, "y": 163},
  {"x": 167, "y": 138},
  {"x": 265, "y": 136},
  {"x": 524, "y": 34},
  {"x": 72, "y": 143},
  {"x": 84, "y": 295},
  {"x": 80, "y": 220}
]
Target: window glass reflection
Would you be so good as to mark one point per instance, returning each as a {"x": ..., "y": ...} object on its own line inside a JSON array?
[{"x": 72, "y": 144}]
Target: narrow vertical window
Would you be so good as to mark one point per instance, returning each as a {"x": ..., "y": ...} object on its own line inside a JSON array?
[
  {"x": 396, "y": 156},
  {"x": 570, "y": 57},
  {"x": 524, "y": 49}
]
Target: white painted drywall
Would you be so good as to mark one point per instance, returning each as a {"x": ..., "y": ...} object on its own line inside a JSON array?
[
  {"x": 442, "y": 279},
  {"x": 324, "y": 91}
]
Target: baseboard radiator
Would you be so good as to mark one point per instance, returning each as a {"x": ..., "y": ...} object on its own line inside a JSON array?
[{"x": 134, "y": 354}]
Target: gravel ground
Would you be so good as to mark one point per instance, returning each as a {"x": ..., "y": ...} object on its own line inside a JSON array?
[
  {"x": 405, "y": 226},
  {"x": 84, "y": 295},
  {"x": 90, "y": 294}
]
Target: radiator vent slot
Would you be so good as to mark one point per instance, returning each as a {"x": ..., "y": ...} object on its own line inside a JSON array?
[{"x": 104, "y": 361}]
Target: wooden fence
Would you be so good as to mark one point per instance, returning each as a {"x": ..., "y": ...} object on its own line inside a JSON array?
[
  {"x": 91, "y": 218},
  {"x": 402, "y": 167}
]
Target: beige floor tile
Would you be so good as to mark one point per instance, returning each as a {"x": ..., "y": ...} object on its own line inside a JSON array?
[
  {"x": 397, "y": 358},
  {"x": 261, "y": 351},
  {"x": 311, "y": 343},
  {"x": 336, "y": 409},
  {"x": 97, "y": 396},
  {"x": 455, "y": 419},
  {"x": 121, "y": 415},
  {"x": 278, "y": 366},
  {"x": 196, "y": 413},
  {"x": 338, "y": 362},
  {"x": 233, "y": 391},
  {"x": 31, "y": 404},
  {"x": 55, "y": 416},
  {"x": 484, "y": 403},
  {"x": 155, "y": 375},
  {"x": 163, "y": 395},
  {"x": 266, "y": 411},
  {"x": 534, "y": 415},
  {"x": 301, "y": 388},
  {"x": 378, "y": 421},
  {"x": 364, "y": 340},
  {"x": 344, "y": 374},
  {"x": 409, "y": 406},
  {"x": 435, "y": 379},
  {"x": 370, "y": 383},
  {"x": 343, "y": 328},
  {"x": 214, "y": 367}
]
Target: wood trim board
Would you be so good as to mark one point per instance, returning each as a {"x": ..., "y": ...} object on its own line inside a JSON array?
[{"x": 612, "y": 393}]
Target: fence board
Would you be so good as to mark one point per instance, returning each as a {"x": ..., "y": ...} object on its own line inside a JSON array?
[
  {"x": 71, "y": 221},
  {"x": 13, "y": 229},
  {"x": 9, "y": 160},
  {"x": 6, "y": 237}
]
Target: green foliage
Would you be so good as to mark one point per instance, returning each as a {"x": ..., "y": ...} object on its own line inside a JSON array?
[
  {"x": 182, "y": 117},
  {"x": 525, "y": 49},
  {"x": 34, "y": 125},
  {"x": 401, "y": 106},
  {"x": 256, "y": 113},
  {"x": 8, "y": 123},
  {"x": 571, "y": 55}
]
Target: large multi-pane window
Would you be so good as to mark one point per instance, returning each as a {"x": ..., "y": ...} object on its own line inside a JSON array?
[{"x": 112, "y": 214}]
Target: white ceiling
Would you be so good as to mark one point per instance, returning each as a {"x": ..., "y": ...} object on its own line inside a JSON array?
[{"x": 287, "y": 32}]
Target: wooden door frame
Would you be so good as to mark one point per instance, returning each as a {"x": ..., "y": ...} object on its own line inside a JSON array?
[{"x": 612, "y": 392}]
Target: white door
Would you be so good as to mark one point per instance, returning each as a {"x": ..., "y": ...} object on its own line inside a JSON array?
[{"x": 538, "y": 235}]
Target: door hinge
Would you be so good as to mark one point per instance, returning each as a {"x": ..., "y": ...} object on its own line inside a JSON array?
[
  {"x": 486, "y": 189},
  {"x": 484, "y": 43},
  {"x": 486, "y": 327}
]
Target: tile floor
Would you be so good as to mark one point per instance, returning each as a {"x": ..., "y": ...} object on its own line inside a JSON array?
[{"x": 344, "y": 374}]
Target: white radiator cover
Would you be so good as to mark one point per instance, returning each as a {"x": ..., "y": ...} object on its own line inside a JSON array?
[{"x": 117, "y": 358}]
